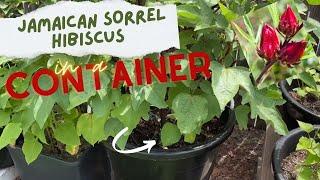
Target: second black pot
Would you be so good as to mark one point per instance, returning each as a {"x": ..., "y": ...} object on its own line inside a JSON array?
[
  {"x": 294, "y": 110},
  {"x": 192, "y": 163},
  {"x": 92, "y": 165},
  {"x": 284, "y": 147},
  {"x": 5, "y": 159}
]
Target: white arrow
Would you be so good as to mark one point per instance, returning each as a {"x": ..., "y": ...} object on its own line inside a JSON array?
[{"x": 148, "y": 144}]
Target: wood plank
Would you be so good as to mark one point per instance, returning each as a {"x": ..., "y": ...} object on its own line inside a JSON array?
[{"x": 265, "y": 168}]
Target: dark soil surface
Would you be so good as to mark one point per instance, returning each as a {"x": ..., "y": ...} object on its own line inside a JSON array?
[
  {"x": 151, "y": 129},
  {"x": 238, "y": 156},
  {"x": 58, "y": 150},
  {"x": 310, "y": 102},
  {"x": 290, "y": 164},
  {"x": 60, "y": 153}
]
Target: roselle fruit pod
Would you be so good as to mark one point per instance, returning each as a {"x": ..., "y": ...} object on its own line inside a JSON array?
[
  {"x": 269, "y": 43},
  {"x": 289, "y": 24},
  {"x": 291, "y": 53}
]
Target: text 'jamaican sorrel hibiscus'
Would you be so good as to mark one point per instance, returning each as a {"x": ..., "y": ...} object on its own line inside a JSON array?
[{"x": 287, "y": 52}]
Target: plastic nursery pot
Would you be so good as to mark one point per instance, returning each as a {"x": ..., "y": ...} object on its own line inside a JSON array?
[
  {"x": 5, "y": 158},
  {"x": 92, "y": 165},
  {"x": 284, "y": 146},
  {"x": 294, "y": 110},
  {"x": 190, "y": 163}
]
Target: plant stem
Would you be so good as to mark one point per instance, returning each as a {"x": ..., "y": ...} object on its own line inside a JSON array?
[{"x": 264, "y": 71}]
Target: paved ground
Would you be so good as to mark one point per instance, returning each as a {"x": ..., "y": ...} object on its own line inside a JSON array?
[{"x": 238, "y": 156}]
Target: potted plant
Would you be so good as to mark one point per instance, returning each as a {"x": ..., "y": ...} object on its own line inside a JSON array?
[
  {"x": 189, "y": 120},
  {"x": 6, "y": 11},
  {"x": 289, "y": 49},
  {"x": 296, "y": 156},
  {"x": 302, "y": 97},
  {"x": 48, "y": 136},
  {"x": 44, "y": 134},
  {"x": 301, "y": 90}
]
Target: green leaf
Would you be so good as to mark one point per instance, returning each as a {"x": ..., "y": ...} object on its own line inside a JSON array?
[
  {"x": 311, "y": 159},
  {"x": 71, "y": 149},
  {"x": 243, "y": 33},
  {"x": 249, "y": 26},
  {"x": 307, "y": 79},
  {"x": 227, "y": 13},
  {"x": 27, "y": 119},
  {"x": 190, "y": 112},
  {"x": 76, "y": 98},
  {"x": 39, "y": 133},
  {"x": 305, "y": 173},
  {"x": 4, "y": 118},
  {"x": 105, "y": 80},
  {"x": 101, "y": 107},
  {"x": 92, "y": 129},
  {"x": 31, "y": 148},
  {"x": 155, "y": 94},
  {"x": 213, "y": 107},
  {"x": 112, "y": 128},
  {"x": 4, "y": 100},
  {"x": 42, "y": 109},
  {"x": 308, "y": 144},
  {"x": 205, "y": 86},
  {"x": 274, "y": 12},
  {"x": 61, "y": 99},
  {"x": 313, "y": 2},
  {"x": 174, "y": 91},
  {"x": 10, "y": 134},
  {"x": 190, "y": 138},
  {"x": 170, "y": 134},
  {"x": 270, "y": 114},
  {"x": 264, "y": 105},
  {"x": 127, "y": 115},
  {"x": 66, "y": 133},
  {"x": 186, "y": 38},
  {"x": 242, "y": 113},
  {"x": 207, "y": 17},
  {"x": 226, "y": 82},
  {"x": 306, "y": 126},
  {"x": 188, "y": 15}
]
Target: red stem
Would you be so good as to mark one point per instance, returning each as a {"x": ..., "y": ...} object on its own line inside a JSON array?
[{"x": 264, "y": 71}]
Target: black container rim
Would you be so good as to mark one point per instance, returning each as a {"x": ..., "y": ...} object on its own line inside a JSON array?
[
  {"x": 280, "y": 145},
  {"x": 189, "y": 151},
  {"x": 283, "y": 86}
]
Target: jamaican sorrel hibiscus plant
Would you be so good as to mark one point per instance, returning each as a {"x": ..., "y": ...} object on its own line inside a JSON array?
[
  {"x": 287, "y": 52},
  {"x": 68, "y": 122}
]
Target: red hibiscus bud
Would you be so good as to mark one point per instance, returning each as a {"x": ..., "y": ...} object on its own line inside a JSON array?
[
  {"x": 289, "y": 24},
  {"x": 269, "y": 43},
  {"x": 292, "y": 52}
]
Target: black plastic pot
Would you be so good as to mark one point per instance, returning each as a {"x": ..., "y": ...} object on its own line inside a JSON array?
[
  {"x": 92, "y": 165},
  {"x": 5, "y": 158},
  {"x": 285, "y": 146},
  {"x": 191, "y": 163},
  {"x": 294, "y": 110}
]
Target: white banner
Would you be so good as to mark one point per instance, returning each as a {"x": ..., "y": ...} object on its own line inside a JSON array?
[{"x": 116, "y": 28}]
